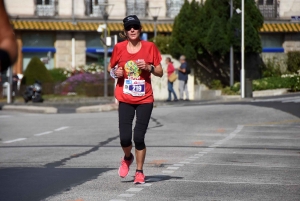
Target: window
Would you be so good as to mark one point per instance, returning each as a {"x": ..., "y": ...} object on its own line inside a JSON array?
[
  {"x": 93, "y": 8},
  {"x": 269, "y": 2},
  {"x": 45, "y": 7},
  {"x": 173, "y": 7},
  {"x": 268, "y": 8},
  {"x": 137, "y": 7}
]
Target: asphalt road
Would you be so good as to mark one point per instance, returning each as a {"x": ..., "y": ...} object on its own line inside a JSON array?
[{"x": 247, "y": 150}]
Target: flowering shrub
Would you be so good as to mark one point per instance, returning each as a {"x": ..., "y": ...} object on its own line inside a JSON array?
[
  {"x": 294, "y": 80},
  {"x": 289, "y": 81},
  {"x": 92, "y": 68}
]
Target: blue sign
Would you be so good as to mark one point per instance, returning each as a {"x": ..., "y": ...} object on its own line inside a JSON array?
[{"x": 295, "y": 18}]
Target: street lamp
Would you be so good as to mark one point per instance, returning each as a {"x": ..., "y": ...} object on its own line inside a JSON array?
[
  {"x": 154, "y": 12},
  {"x": 231, "y": 51},
  {"x": 243, "y": 51},
  {"x": 105, "y": 11}
]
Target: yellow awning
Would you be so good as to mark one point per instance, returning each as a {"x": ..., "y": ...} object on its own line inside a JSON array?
[
  {"x": 118, "y": 27},
  {"x": 81, "y": 26}
]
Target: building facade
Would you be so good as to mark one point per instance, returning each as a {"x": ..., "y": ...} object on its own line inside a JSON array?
[{"x": 63, "y": 33}]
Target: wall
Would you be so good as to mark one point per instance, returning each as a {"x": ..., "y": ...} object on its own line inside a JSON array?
[
  {"x": 291, "y": 42},
  {"x": 63, "y": 47},
  {"x": 289, "y": 8},
  {"x": 160, "y": 88},
  {"x": 13, "y": 7}
]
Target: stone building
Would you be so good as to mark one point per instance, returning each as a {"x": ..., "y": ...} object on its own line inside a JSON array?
[{"x": 64, "y": 33}]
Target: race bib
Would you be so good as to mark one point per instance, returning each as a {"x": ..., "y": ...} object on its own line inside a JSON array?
[{"x": 134, "y": 87}]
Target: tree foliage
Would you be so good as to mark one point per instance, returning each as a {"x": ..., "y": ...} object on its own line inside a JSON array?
[
  {"x": 204, "y": 34},
  {"x": 36, "y": 70}
]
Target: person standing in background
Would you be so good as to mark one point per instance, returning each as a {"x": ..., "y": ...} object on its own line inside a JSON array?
[
  {"x": 170, "y": 70},
  {"x": 183, "y": 78}
]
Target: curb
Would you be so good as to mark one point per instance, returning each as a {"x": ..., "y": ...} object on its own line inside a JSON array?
[
  {"x": 97, "y": 108},
  {"x": 34, "y": 109}
]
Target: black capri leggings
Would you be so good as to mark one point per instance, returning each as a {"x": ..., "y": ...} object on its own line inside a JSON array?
[{"x": 126, "y": 116}]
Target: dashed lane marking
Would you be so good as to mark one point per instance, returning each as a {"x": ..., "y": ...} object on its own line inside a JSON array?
[
  {"x": 172, "y": 168},
  {"x": 167, "y": 171},
  {"x": 179, "y": 165},
  {"x": 44, "y": 133},
  {"x": 15, "y": 140},
  {"x": 117, "y": 200},
  {"x": 134, "y": 189},
  {"x": 228, "y": 182},
  {"x": 61, "y": 128},
  {"x": 127, "y": 195}
]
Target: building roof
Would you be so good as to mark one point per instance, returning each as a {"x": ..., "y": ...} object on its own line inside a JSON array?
[{"x": 147, "y": 27}]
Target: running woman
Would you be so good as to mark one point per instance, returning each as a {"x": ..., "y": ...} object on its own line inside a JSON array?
[{"x": 136, "y": 60}]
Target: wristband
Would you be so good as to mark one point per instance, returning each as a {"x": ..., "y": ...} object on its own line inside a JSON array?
[
  {"x": 112, "y": 72},
  {"x": 151, "y": 69}
]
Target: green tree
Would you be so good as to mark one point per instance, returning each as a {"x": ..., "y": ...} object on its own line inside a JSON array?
[
  {"x": 36, "y": 70},
  {"x": 204, "y": 34}
]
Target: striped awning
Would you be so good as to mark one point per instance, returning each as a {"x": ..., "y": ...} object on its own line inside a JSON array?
[
  {"x": 281, "y": 27},
  {"x": 147, "y": 27},
  {"x": 82, "y": 26}
]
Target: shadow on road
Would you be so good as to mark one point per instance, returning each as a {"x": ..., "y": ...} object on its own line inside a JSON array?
[{"x": 30, "y": 184}]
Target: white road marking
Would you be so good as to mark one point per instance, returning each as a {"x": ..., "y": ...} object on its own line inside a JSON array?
[
  {"x": 146, "y": 184},
  {"x": 15, "y": 140},
  {"x": 61, "y": 128},
  {"x": 180, "y": 165},
  {"x": 172, "y": 168},
  {"x": 126, "y": 195},
  {"x": 198, "y": 155},
  {"x": 195, "y": 157},
  {"x": 189, "y": 159},
  {"x": 5, "y": 116},
  {"x": 134, "y": 189},
  {"x": 228, "y": 182},
  {"x": 184, "y": 162},
  {"x": 202, "y": 152},
  {"x": 245, "y": 165},
  {"x": 44, "y": 133},
  {"x": 210, "y": 149},
  {"x": 167, "y": 171},
  {"x": 117, "y": 200}
]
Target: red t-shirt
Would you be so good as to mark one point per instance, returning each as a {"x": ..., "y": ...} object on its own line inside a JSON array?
[
  {"x": 170, "y": 69},
  {"x": 122, "y": 58}
]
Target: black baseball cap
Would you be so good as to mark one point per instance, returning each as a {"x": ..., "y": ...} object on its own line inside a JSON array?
[{"x": 131, "y": 20}]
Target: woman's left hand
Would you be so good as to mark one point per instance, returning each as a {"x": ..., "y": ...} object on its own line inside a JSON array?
[{"x": 142, "y": 64}]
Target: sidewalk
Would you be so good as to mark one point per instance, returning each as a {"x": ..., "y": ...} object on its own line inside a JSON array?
[{"x": 101, "y": 104}]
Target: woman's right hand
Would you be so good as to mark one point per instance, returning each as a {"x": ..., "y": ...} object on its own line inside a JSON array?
[{"x": 119, "y": 72}]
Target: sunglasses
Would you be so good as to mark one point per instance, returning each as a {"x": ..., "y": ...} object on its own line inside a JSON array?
[{"x": 135, "y": 27}]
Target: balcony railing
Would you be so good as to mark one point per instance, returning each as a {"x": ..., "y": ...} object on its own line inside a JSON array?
[
  {"x": 45, "y": 10},
  {"x": 173, "y": 7},
  {"x": 137, "y": 7},
  {"x": 268, "y": 8}
]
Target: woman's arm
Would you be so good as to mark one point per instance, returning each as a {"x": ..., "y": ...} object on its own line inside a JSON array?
[{"x": 158, "y": 71}]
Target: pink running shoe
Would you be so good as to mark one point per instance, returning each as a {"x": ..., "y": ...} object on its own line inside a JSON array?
[
  {"x": 139, "y": 178},
  {"x": 124, "y": 167}
]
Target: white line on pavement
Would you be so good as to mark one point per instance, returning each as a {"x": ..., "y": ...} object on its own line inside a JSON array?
[
  {"x": 15, "y": 140},
  {"x": 245, "y": 164},
  {"x": 172, "y": 168},
  {"x": 61, "y": 128},
  {"x": 5, "y": 116},
  {"x": 228, "y": 182},
  {"x": 117, "y": 200},
  {"x": 134, "y": 189},
  {"x": 126, "y": 195},
  {"x": 167, "y": 171},
  {"x": 44, "y": 133}
]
